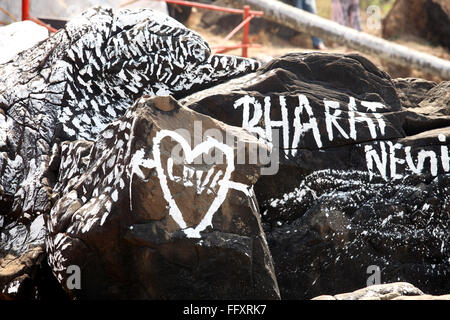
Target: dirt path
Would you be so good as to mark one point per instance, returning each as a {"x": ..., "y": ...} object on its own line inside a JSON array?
[{"x": 272, "y": 46}]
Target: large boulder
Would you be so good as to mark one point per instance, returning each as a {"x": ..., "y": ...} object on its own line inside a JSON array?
[
  {"x": 363, "y": 171},
  {"x": 143, "y": 221},
  {"x": 19, "y": 36},
  {"x": 71, "y": 86}
]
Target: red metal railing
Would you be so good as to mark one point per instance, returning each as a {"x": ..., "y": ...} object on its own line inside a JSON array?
[
  {"x": 25, "y": 9},
  {"x": 27, "y": 16},
  {"x": 246, "y": 31}
]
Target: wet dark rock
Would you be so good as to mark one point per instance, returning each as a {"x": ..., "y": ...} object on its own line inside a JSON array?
[{"x": 358, "y": 174}]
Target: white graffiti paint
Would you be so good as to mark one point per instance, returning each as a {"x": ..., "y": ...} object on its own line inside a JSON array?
[
  {"x": 390, "y": 157},
  {"x": 221, "y": 179},
  {"x": 383, "y": 156}
]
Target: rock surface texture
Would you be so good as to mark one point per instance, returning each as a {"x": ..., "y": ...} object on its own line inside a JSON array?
[
  {"x": 391, "y": 291},
  {"x": 363, "y": 175},
  {"x": 311, "y": 175},
  {"x": 19, "y": 36},
  {"x": 71, "y": 86}
]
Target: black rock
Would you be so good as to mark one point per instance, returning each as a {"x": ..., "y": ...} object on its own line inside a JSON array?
[
  {"x": 71, "y": 86},
  {"x": 363, "y": 173}
]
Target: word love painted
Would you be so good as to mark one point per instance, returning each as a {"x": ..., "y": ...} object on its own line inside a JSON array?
[
  {"x": 391, "y": 158},
  {"x": 191, "y": 178},
  {"x": 297, "y": 115}
]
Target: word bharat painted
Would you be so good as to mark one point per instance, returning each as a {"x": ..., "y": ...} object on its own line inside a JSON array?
[{"x": 296, "y": 113}]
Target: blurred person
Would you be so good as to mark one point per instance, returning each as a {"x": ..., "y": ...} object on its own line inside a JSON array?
[
  {"x": 346, "y": 12},
  {"x": 310, "y": 6}
]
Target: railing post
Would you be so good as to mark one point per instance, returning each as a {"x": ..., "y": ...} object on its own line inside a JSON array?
[
  {"x": 25, "y": 10},
  {"x": 246, "y": 31}
]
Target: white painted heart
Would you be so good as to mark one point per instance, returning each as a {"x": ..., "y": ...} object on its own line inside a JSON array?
[{"x": 190, "y": 155}]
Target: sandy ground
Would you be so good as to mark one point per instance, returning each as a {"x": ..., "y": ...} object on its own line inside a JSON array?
[{"x": 273, "y": 46}]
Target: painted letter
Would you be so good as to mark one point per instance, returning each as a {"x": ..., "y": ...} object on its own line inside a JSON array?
[
  {"x": 394, "y": 160},
  {"x": 351, "y": 117},
  {"x": 371, "y": 156},
  {"x": 331, "y": 119},
  {"x": 445, "y": 158},
  {"x": 250, "y": 125},
  {"x": 421, "y": 160},
  {"x": 283, "y": 123},
  {"x": 301, "y": 128}
]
